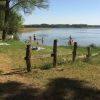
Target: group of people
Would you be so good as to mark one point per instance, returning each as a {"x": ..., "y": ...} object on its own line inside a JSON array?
[
  {"x": 36, "y": 40},
  {"x": 70, "y": 41}
]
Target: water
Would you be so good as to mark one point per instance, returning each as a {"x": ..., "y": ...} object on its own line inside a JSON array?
[{"x": 82, "y": 36}]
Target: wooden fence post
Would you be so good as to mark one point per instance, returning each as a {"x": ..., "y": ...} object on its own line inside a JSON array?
[
  {"x": 88, "y": 53},
  {"x": 37, "y": 41},
  {"x": 28, "y": 58},
  {"x": 74, "y": 51},
  {"x": 42, "y": 40},
  {"x": 54, "y": 55}
]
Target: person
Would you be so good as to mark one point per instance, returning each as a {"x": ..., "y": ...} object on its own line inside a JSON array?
[
  {"x": 71, "y": 41},
  {"x": 34, "y": 38}
]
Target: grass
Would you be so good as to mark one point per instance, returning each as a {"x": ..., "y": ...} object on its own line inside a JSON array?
[{"x": 69, "y": 81}]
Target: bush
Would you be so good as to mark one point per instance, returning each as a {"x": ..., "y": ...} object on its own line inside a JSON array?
[
  {"x": 46, "y": 66},
  {"x": 92, "y": 45}
]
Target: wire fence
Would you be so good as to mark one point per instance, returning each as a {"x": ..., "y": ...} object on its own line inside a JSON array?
[{"x": 55, "y": 56}]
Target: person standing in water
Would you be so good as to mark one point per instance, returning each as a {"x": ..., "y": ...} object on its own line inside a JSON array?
[
  {"x": 70, "y": 42},
  {"x": 34, "y": 38}
]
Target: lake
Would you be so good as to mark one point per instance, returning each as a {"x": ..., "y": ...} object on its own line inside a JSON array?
[{"x": 83, "y": 36}]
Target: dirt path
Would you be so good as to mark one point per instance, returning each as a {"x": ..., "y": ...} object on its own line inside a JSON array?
[
  {"x": 5, "y": 63},
  {"x": 10, "y": 73}
]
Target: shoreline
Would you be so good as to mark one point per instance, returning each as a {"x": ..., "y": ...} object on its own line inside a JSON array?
[
  {"x": 30, "y": 29},
  {"x": 38, "y": 29}
]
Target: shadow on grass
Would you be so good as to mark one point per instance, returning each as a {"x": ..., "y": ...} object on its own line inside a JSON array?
[
  {"x": 70, "y": 89},
  {"x": 57, "y": 89},
  {"x": 17, "y": 91}
]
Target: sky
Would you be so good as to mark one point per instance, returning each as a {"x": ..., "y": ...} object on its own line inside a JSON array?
[{"x": 66, "y": 12}]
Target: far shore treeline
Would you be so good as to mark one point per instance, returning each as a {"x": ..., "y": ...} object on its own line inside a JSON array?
[{"x": 61, "y": 26}]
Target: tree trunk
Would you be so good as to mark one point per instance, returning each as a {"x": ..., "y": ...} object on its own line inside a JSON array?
[
  {"x": 4, "y": 35},
  {"x": 5, "y": 20}
]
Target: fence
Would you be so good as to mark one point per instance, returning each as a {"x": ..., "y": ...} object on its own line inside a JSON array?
[
  {"x": 55, "y": 55},
  {"x": 28, "y": 56}
]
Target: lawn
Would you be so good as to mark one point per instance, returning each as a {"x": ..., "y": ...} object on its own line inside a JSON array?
[{"x": 68, "y": 81}]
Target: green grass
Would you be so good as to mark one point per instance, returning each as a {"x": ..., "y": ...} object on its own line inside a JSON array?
[{"x": 16, "y": 51}]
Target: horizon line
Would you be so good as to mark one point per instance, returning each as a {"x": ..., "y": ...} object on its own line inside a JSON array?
[{"x": 62, "y": 24}]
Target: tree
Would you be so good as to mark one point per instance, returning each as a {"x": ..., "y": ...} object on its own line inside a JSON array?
[
  {"x": 13, "y": 26},
  {"x": 16, "y": 5},
  {"x": 1, "y": 15},
  {"x": 1, "y": 20}
]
